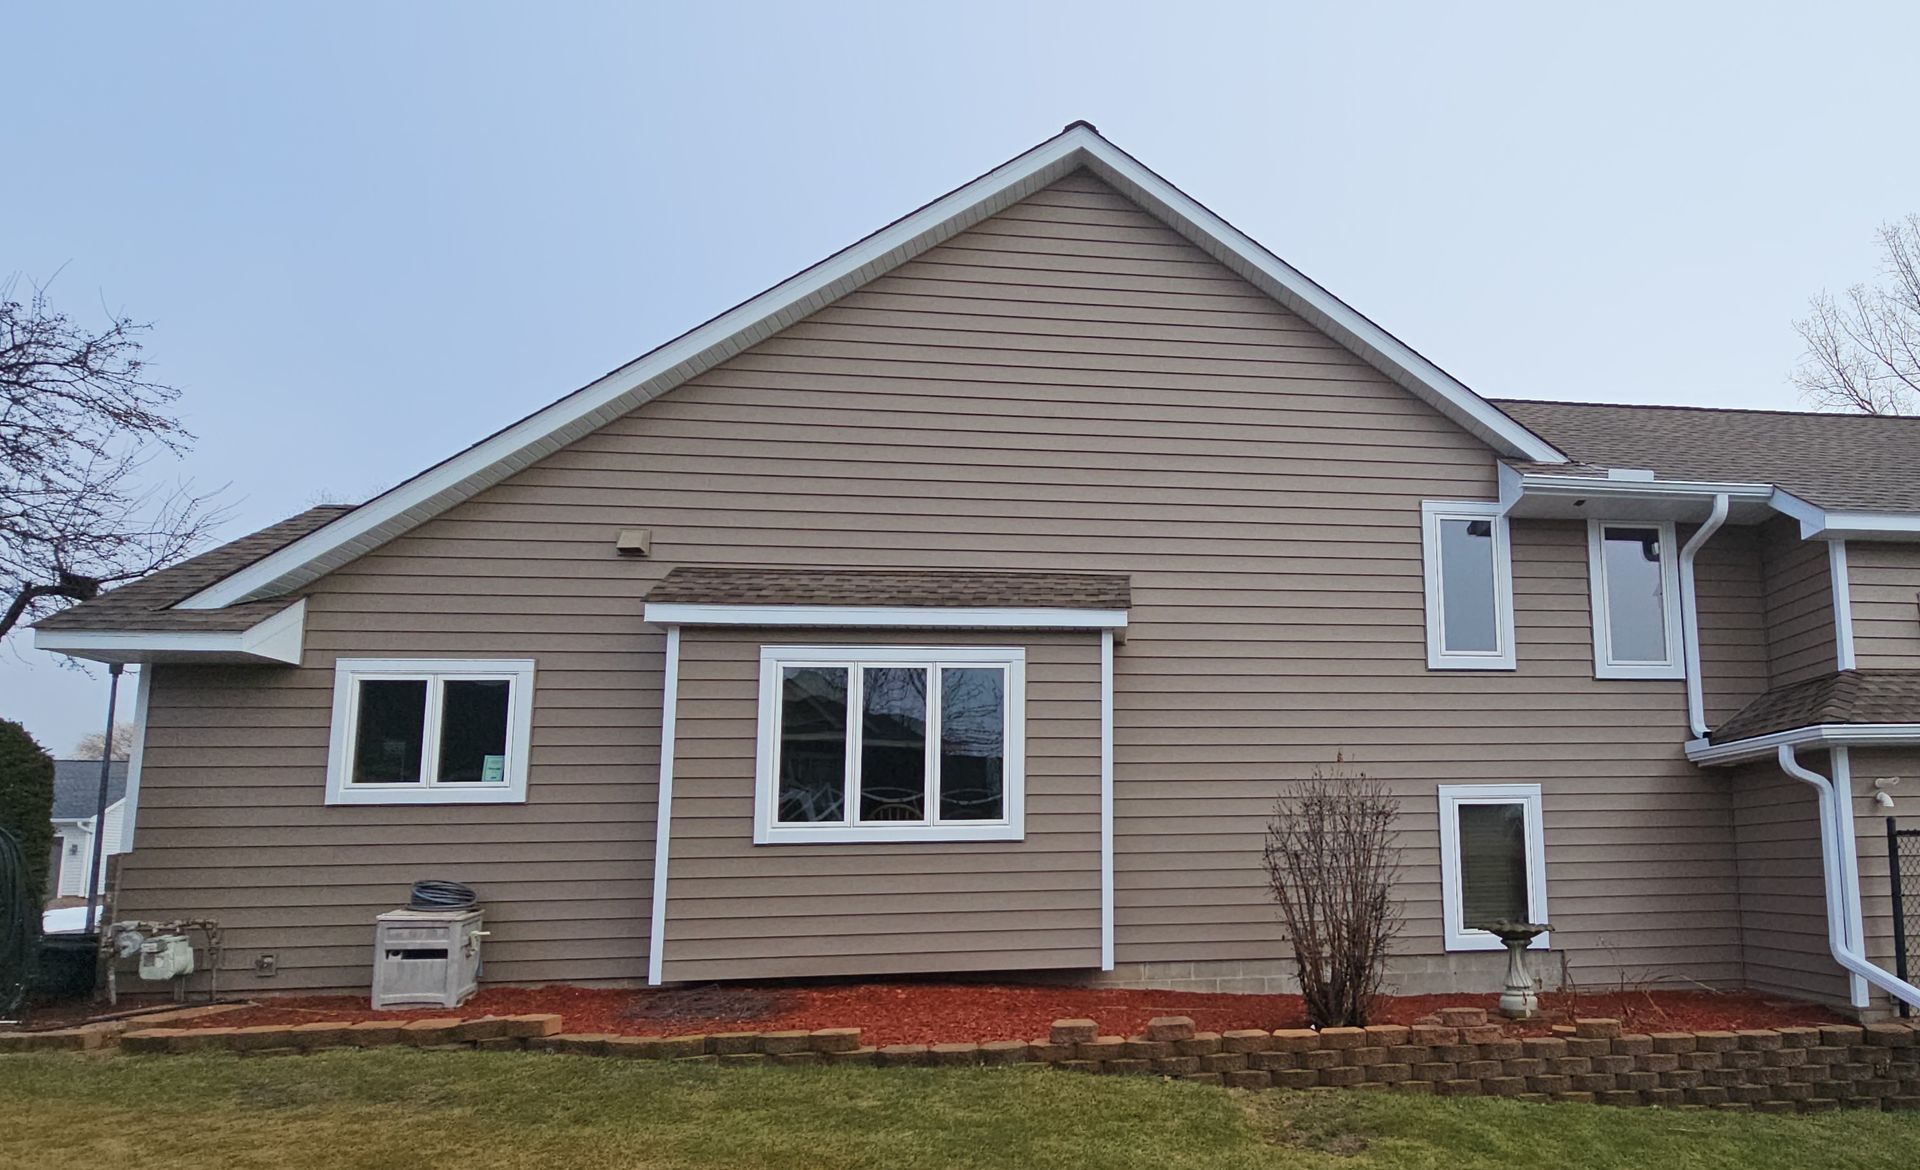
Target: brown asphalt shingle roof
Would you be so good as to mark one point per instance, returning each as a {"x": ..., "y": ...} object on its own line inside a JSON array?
[
  {"x": 141, "y": 606},
  {"x": 932, "y": 588},
  {"x": 1837, "y": 461},
  {"x": 1845, "y": 696}
]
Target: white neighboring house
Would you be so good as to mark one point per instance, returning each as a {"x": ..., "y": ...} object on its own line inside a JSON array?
[{"x": 76, "y": 801}]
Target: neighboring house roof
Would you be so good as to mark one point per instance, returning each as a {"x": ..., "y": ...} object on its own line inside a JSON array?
[
  {"x": 1844, "y": 696},
  {"x": 76, "y": 787},
  {"x": 145, "y": 605},
  {"x": 1836, "y": 461},
  {"x": 834, "y": 587},
  {"x": 619, "y": 392}
]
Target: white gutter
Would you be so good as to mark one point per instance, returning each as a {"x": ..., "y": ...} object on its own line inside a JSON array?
[
  {"x": 1690, "y": 615},
  {"x": 1708, "y": 754},
  {"x": 1843, "y": 882}
]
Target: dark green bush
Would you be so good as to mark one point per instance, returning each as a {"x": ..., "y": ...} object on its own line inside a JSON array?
[{"x": 26, "y": 802}]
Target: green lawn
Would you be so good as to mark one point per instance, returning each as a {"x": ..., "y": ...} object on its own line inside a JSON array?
[{"x": 478, "y": 1111}]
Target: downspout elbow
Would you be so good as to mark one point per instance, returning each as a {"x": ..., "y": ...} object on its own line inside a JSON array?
[{"x": 1690, "y": 616}]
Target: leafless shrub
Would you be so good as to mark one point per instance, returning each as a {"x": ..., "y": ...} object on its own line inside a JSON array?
[{"x": 1332, "y": 858}]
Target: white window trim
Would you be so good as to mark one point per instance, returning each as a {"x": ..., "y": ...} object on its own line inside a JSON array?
[
  {"x": 348, "y": 673},
  {"x": 1432, "y": 512},
  {"x": 1012, "y": 827},
  {"x": 1604, "y": 666},
  {"x": 1452, "y": 796}
]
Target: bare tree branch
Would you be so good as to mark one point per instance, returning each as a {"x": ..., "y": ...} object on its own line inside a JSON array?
[
  {"x": 1863, "y": 353},
  {"x": 79, "y": 423}
]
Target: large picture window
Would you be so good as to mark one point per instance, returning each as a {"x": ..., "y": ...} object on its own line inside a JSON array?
[
  {"x": 1634, "y": 581},
  {"x": 890, "y": 744},
  {"x": 1469, "y": 586},
  {"x": 421, "y": 731},
  {"x": 1493, "y": 864}
]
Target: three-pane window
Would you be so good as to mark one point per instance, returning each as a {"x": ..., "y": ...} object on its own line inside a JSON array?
[
  {"x": 890, "y": 743},
  {"x": 409, "y": 731}
]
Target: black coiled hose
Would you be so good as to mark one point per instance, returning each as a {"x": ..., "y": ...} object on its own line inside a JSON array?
[
  {"x": 435, "y": 895},
  {"x": 19, "y": 926}
]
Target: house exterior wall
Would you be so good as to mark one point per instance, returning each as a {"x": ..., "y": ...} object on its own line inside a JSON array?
[
  {"x": 1783, "y": 912},
  {"x": 739, "y": 910},
  {"x": 1870, "y": 841},
  {"x": 1884, "y": 583},
  {"x": 1067, "y": 386},
  {"x": 1799, "y": 592}
]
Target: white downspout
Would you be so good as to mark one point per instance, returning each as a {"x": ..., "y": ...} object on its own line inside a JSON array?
[
  {"x": 1690, "y": 617},
  {"x": 1846, "y": 950}
]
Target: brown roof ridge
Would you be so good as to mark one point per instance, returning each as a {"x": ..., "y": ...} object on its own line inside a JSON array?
[{"x": 1697, "y": 408}]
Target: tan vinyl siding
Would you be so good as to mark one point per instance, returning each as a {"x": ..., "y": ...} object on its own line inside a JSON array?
[
  {"x": 1732, "y": 606},
  {"x": 1070, "y": 386},
  {"x": 1870, "y": 840},
  {"x": 739, "y": 910},
  {"x": 1884, "y": 581},
  {"x": 1783, "y": 909},
  {"x": 1799, "y": 586}
]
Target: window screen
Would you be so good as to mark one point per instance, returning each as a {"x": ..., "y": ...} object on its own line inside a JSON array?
[{"x": 1493, "y": 864}]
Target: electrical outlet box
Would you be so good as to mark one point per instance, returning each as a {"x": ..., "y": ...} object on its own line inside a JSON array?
[{"x": 266, "y": 966}]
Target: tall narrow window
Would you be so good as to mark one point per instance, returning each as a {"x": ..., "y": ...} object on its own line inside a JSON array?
[
  {"x": 417, "y": 731},
  {"x": 890, "y": 743},
  {"x": 1634, "y": 580},
  {"x": 1492, "y": 861},
  {"x": 1469, "y": 586}
]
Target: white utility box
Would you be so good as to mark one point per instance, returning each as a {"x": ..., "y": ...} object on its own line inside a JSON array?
[{"x": 426, "y": 957}]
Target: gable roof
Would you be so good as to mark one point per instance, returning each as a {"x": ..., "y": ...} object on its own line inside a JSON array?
[
  {"x": 592, "y": 406},
  {"x": 1838, "y": 461},
  {"x": 1842, "y": 696},
  {"x": 891, "y": 587},
  {"x": 146, "y": 605},
  {"x": 76, "y": 787}
]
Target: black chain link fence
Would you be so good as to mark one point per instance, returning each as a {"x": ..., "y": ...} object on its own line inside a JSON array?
[{"x": 1903, "y": 864}]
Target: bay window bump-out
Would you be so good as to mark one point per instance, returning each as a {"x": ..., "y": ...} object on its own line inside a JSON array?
[
  {"x": 1492, "y": 862},
  {"x": 890, "y": 743},
  {"x": 1469, "y": 585},
  {"x": 1634, "y": 585},
  {"x": 429, "y": 731}
]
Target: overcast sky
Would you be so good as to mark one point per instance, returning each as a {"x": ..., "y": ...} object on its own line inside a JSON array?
[{"x": 368, "y": 235}]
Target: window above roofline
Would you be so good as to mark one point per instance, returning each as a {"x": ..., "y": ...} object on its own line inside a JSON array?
[{"x": 1606, "y": 664}]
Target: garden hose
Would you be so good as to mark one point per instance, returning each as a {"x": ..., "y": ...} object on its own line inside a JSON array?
[{"x": 439, "y": 895}]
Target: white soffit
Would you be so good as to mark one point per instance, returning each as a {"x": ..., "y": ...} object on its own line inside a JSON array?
[{"x": 600, "y": 402}]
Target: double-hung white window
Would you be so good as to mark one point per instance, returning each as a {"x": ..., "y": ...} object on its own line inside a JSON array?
[
  {"x": 890, "y": 743},
  {"x": 1493, "y": 862},
  {"x": 1634, "y": 580},
  {"x": 1469, "y": 582},
  {"x": 429, "y": 731}
]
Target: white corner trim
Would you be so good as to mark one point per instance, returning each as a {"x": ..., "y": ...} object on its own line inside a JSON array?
[
  {"x": 663, "y": 810},
  {"x": 136, "y": 755},
  {"x": 1432, "y": 512},
  {"x": 277, "y": 638},
  {"x": 1708, "y": 754},
  {"x": 897, "y": 617},
  {"x": 1106, "y": 800},
  {"x": 1842, "y": 604},
  {"x": 348, "y": 673},
  {"x": 1598, "y": 594},
  {"x": 1451, "y": 797},
  {"x": 492, "y": 459}
]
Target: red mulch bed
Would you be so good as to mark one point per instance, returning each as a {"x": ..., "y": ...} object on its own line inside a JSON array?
[{"x": 931, "y": 1013}]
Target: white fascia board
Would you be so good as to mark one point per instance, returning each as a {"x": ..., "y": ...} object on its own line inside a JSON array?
[
  {"x": 616, "y": 393},
  {"x": 899, "y": 617},
  {"x": 275, "y": 639},
  {"x": 1739, "y": 751}
]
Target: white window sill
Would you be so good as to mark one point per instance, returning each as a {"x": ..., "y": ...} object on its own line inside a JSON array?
[
  {"x": 419, "y": 794},
  {"x": 881, "y": 834},
  {"x": 1480, "y": 940}
]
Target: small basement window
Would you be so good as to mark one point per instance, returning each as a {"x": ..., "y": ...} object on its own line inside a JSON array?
[
  {"x": 1493, "y": 862},
  {"x": 890, "y": 743},
  {"x": 1469, "y": 582},
  {"x": 429, "y": 731},
  {"x": 1634, "y": 581}
]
